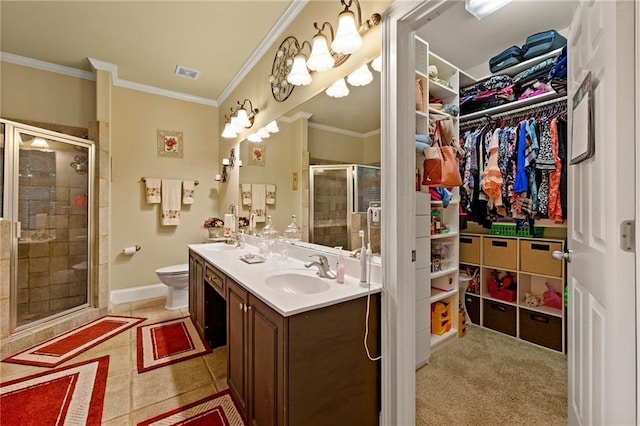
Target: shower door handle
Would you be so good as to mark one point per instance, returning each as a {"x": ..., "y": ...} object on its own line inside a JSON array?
[{"x": 18, "y": 230}]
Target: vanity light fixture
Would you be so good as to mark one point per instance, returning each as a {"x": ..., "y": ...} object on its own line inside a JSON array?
[
  {"x": 338, "y": 89},
  {"x": 321, "y": 59},
  {"x": 254, "y": 138},
  {"x": 229, "y": 132},
  {"x": 376, "y": 64},
  {"x": 360, "y": 77},
  {"x": 299, "y": 75},
  {"x": 241, "y": 118},
  {"x": 272, "y": 127},
  {"x": 263, "y": 133},
  {"x": 348, "y": 39}
]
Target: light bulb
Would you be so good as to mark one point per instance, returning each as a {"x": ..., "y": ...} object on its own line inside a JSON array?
[
  {"x": 299, "y": 75},
  {"x": 39, "y": 143},
  {"x": 338, "y": 89},
  {"x": 376, "y": 64},
  {"x": 320, "y": 59},
  {"x": 348, "y": 38},
  {"x": 228, "y": 132},
  {"x": 360, "y": 77},
  {"x": 243, "y": 118},
  {"x": 272, "y": 127},
  {"x": 253, "y": 137},
  {"x": 235, "y": 125}
]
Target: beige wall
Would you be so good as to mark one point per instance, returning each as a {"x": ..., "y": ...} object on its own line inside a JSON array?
[
  {"x": 340, "y": 148},
  {"x": 136, "y": 116},
  {"x": 35, "y": 95},
  {"x": 371, "y": 150}
]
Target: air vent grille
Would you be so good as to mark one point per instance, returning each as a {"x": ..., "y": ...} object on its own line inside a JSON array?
[{"x": 187, "y": 72}]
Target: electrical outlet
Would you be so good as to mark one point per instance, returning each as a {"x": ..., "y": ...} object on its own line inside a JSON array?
[{"x": 375, "y": 215}]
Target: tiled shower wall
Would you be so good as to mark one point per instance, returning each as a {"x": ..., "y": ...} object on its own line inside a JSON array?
[{"x": 330, "y": 209}]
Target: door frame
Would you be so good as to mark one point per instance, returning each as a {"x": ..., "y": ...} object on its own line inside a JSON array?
[{"x": 637, "y": 218}]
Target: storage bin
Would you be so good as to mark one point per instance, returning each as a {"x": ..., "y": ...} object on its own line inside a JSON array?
[
  {"x": 500, "y": 253},
  {"x": 441, "y": 256},
  {"x": 510, "y": 230},
  {"x": 446, "y": 283},
  {"x": 470, "y": 249},
  {"x": 440, "y": 318},
  {"x": 502, "y": 286},
  {"x": 472, "y": 303},
  {"x": 541, "y": 329},
  {"x": 499, "y": 317},
  {"x": 535, "y": 257}
]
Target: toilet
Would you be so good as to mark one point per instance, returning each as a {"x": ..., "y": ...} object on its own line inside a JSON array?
[{"x": 176, "y": 277}]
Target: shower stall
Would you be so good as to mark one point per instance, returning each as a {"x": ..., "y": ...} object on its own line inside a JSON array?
[
  {"x": 339, "y": 199},
  {"x": 47, "y": 182}
]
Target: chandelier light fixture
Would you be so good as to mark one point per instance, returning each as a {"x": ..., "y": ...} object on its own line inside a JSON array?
[
  {"x": 291, "y": 66},
  {"x": 376, "y": 64},
  {"x": 360, "y": 77},
  {"x": 338, "y": 89}
]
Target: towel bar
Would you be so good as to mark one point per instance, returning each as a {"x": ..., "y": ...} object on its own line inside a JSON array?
[{"x": 143, "y": 179}]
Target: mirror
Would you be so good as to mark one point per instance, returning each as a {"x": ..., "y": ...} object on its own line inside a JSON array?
[{"x": 322, "y": 131}]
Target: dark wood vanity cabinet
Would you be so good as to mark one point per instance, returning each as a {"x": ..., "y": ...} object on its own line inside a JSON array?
[{"x": 196, "y": 291}]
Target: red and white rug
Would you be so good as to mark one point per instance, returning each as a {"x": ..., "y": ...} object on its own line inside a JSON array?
[
  {"x": 214, "y": 410},
  {"x": 168, "y": 342},
  {"x": 68, "y": 395},
  {"x": 72, "y": 343}
]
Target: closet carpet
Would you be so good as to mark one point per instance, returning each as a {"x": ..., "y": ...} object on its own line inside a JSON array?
[{"x": 486, "y": 378}]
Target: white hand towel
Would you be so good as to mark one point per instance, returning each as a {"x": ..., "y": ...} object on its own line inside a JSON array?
[
  {"x": 171, "y": 191},
  {"x": 188, "y": 191},
  {"x": 246, "y": 194},
  {"x": 152, "y": 186},
  {"x": 229, "y": 224},
  {"x": 258, "y": 205},
  {"x": 271, "y": 194}
]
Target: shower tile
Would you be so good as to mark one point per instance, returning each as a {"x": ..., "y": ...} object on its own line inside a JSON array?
[
  {"x": 23, "y": 251},
  {"x": 77, "y": 289},
  {"x": 57, "y": 305},
  {"x": 39, "y": 307},
  {"x": 23, "y": 295},
  {"x": 38, "y": 294},
  {"x": 5, "y": 233},
  {"x": 62, "y": 221},
  {"x": 5, "y": 266},
  {"x": 23, "y": 308},
  {"x": 39, "y": 265},
  {"x": 103, "y": 220},
  {"x": 38, "y": 250},
  {"x": 59, "y": 291},
  {"x": 58, "y": 249},
  {"x": 59, "y": 277},
  {"x": 77, "y": 248},
  {"x": 38, "y": 279},
  {"x": 59, "y": 263},
  {"x": 62, "y": 195},
  {"x": 78, "y": 221}
]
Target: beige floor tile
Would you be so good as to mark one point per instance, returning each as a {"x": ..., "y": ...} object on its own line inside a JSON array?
[
  {"x": 121, "y": 309},
  {"x": 156, "y": 314},
  {"x": 172, "y": 403},
  {"x": 217, "y": 363},
  {"x": 119, "y": 358},
  {"x": 148, "y": 303},
  {"x": 117, "y": 399},
  {"x": 166, "y": 382},
  {"x": 10, "y": 371},
  {"x": 120, "y": 421}
]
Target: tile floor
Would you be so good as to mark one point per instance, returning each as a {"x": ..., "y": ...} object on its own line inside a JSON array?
[{"x": 131, "y": 397}]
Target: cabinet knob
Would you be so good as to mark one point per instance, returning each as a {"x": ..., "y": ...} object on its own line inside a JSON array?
[{"x": 241, "y": 306}]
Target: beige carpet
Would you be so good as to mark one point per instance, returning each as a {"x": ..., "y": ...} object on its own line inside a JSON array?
[{"x": 486, "y": 378}]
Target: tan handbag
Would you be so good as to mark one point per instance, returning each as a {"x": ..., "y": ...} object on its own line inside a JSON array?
[
  {"x": 440, "y": 165},
  {"x": 420, "y": 94}
]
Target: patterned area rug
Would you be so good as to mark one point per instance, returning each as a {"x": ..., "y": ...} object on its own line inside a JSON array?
[
  {"x": 72, "y": 343},
  {"x": 168, "y": 342},
  {"x": 68, "y": 395},
  {"x": 214, "y": 410}
]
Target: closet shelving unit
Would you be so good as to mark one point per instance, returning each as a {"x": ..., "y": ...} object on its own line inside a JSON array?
[{"x": 436, "y": 264}]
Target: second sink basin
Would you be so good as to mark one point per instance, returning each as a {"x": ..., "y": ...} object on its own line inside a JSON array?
[
  {"x": 295, "y": 282},
  {"x": 219, "y": 247}
]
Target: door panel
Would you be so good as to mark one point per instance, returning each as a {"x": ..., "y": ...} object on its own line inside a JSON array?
[{"x": 236, "y": 346}]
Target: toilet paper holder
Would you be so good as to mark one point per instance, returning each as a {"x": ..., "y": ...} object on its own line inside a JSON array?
[{"x": 128, "y": 251}]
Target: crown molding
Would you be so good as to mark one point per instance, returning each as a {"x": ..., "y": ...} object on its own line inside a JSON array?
[
  {"x": 46, "y": 66},
  {"x": 285, "y": 20},
  {"x": 343, "y": 131}
]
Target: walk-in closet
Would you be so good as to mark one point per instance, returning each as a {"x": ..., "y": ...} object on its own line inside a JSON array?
[{"x": 491, "y": 319}]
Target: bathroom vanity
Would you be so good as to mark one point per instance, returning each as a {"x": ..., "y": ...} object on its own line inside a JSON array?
[{"x": 294, "y": 341}]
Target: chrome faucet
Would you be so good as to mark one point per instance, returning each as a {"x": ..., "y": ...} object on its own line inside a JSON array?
[{"x": 323, "y": 266}]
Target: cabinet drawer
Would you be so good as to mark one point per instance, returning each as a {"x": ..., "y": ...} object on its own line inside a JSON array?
[
  {"x": 215, "y": 279},
  {"x": 535, "y": 257},
  {"x": 470, "y": 249},
  {"x": 501, "y": 253},
  {"x": 541, "y": 329},
  {"x": 472, "y": 303},
  {"x": 499, "y": 317}
]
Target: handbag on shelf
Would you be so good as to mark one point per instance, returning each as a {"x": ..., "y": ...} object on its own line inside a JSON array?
[
  {"x": 440, "y": 165},
  {"x": 420, "y": 94}
]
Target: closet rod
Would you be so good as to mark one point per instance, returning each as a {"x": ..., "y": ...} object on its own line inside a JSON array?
[
  {"x": 515, "y": 111},
  {"x": 143, "y": 179}
]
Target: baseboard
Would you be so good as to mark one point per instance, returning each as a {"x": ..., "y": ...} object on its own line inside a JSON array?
[{"x": 135, "y": 294}]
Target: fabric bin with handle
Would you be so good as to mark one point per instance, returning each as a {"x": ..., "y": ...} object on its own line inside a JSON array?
[
  {"x": 541, "y": 329},
  {"x": 499, "y": 317},
  {"x": 500, "y": 253},
  {"x": 535, "y": 257},
  {"x": 506, "y": 59},
  {"x": 470, "y": 249},
  {"x": 541, "y": 43},
  {"x": 472, "y": 304}
]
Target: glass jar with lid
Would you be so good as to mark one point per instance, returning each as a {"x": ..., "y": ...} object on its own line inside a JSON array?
[{"x": 293, "y": 231}]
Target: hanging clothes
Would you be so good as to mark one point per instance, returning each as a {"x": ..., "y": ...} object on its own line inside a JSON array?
[{"x": 555, "y": 208}]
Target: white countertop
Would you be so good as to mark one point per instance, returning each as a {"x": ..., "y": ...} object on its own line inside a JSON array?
[{"x": 252, "y": 277}]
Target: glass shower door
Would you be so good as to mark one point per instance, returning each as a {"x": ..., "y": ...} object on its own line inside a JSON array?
[
  {"x": 51, "y": 205},
  {"x": 331, "y": 205}
]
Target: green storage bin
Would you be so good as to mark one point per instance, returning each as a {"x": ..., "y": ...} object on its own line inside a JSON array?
[{"x": 509, "y": 230}]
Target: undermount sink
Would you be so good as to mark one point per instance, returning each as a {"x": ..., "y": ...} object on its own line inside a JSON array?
[
  {"x": 297, "y": 283},
  {"x": 219, "y": 247}
]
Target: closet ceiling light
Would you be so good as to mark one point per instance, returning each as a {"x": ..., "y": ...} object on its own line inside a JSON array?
[
  {"x": 376, "y": 64},
  {"x": 360, "y": 77},
  {"x": 338, "y": 89},
  {"x": 320, "y": 59},
  {"x": 228, "y": 132},
  {"x": 482, "y": 8},
  {"x": 39, "y": 143},
  {"x": 254, "y": 138},
  {"x": 299, "y": 75},
  {"x": 272, "y": 127}
]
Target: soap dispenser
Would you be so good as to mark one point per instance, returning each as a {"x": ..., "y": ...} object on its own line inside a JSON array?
[{"x": 340, "y": 267}]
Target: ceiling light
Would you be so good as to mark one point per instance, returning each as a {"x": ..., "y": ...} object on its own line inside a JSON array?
[
  {"x": 360, "y": 77},
  {"x": 263, "y": 133},
  {"x": 228, "y": 132},
  {"x": 299, "y": 75},
  {"x": 376, "y": 64},
  {"x": 272, "y": 127},
  {"x": 39, "y": 143},
  {"x": 320, "y": 59},
  {"x": 348, "y": 38},
  {"x": 253, "y": 137},
  {"x": 482, "y": 8},
  {"x": 338, "y": 89}
]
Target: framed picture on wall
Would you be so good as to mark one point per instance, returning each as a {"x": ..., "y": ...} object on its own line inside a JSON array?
[
  {"x": 169, "y": 144},
  {"x": 257, "y": 154}
]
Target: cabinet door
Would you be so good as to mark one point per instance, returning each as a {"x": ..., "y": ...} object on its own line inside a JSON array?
[
  {"x": 196, "y": 291},
  {"x": 266, "y": 380},
  {"x": 192, "y": 285},
  {"x": 237, "y": 377}
]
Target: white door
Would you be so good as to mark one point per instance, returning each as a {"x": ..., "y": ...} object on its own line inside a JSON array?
[{"x": 602, "y": 347}]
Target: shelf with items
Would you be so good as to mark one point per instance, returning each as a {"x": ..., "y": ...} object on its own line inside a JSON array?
[
  {"x": 499, "y": 285},
  {"x": 510, "y": 107},
  {"x": 515, "y": 69},
  {"x": 541, "y": 294},
  {"x": 438, "y": 295}
]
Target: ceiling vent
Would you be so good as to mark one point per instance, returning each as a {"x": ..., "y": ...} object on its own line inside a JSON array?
[{"x": 187, "y": 72}]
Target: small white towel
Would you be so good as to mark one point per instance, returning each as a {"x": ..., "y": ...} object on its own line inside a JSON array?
[
  {"x": 271, "y": 194},
  {"x": 188, "y": 191},
  {"x": 258, "y": 205},
  {"x": 171, "y": 191},
  {"x": 246, "y": 194},
  {"x": 152, "y": 186},
  {"x": 229, "y": 224}
]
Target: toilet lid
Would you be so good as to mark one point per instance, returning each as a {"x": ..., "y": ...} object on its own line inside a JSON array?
[{"x": 174, "y": 269}]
